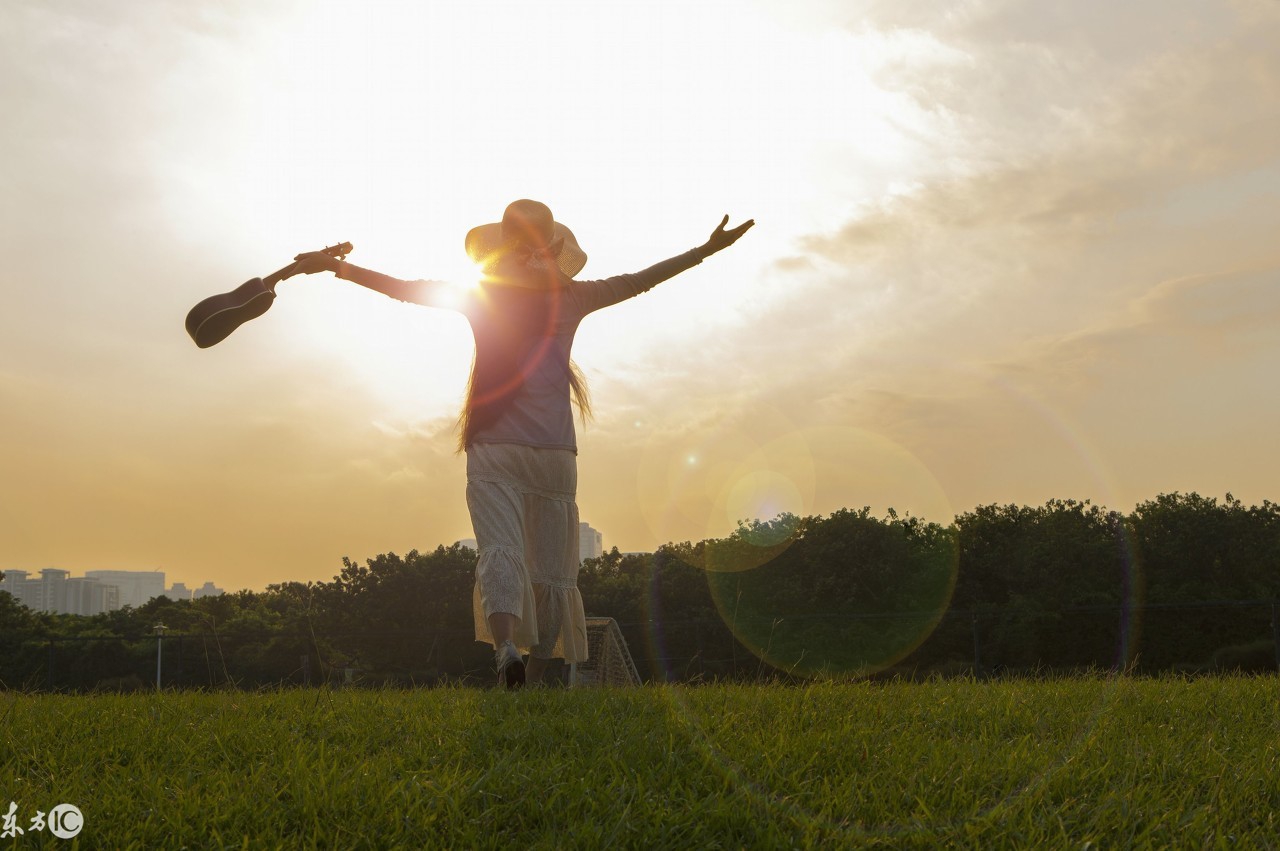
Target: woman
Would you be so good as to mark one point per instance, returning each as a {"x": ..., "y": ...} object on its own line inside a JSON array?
[{"x": 517, "y": 422}]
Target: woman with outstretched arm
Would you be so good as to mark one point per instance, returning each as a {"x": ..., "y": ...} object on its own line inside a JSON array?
[{"x": 517, "y": 422}]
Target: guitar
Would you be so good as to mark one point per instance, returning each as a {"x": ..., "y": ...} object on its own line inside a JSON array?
[{"x": 212, "y": 320}]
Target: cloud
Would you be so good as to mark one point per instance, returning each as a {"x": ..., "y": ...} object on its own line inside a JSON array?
[
  {"x": 1055, "y": 258},
  {"x": 1223, "y": 305},
  {"x": 1097, "y": 242},
  {"x": 1097, "y": 199}
]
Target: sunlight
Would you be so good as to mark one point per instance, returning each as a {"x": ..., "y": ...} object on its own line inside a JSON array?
[
  {"x": 406, "y": 363},
  {"x": 465, "y": 276},
  {"x": 402, "y": 169}
]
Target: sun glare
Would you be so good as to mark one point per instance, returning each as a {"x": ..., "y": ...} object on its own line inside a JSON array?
[
  {"x": 460, "y": 282},
  {"x": 406, "y": 196},
  {"x": 466, "y": 277}
]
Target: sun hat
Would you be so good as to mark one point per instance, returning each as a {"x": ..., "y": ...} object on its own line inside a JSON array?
[{"x": 527, "y": 228}]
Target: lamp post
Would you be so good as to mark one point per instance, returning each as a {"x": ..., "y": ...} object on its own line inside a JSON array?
[{"x": 159, "y": 628}]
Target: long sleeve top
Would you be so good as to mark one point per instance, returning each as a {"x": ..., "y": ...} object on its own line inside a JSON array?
[{"x": 538, "y": 412}]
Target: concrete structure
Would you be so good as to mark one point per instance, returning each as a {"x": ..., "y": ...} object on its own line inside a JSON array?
[
  {"x": 178, "y": 591},
  {"x": 136, "y": 586},
  {"x": 15, "y": 583},
  {"x": 56, "y": 591},
  {"x": 51, "y": 593},
  {"x": 590, "y": 543},
  {"x": 207, "y": 590},
  {"x": 87, "y": 596},
  {"x": 96, "y": 592}
]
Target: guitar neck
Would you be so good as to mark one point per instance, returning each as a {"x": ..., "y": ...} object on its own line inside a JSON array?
[
  {"x": 340, "y": 251},
  {"x": 279, "y": 275}
]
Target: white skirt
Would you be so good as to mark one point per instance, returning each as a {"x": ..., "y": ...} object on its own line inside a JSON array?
[{"x": 523, "y": 510}]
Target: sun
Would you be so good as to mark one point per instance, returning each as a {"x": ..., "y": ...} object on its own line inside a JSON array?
[
  {"x": 466, "y": 276},
  {"x": 461, "y": 284},
  {"x": 409, "y": 362}
]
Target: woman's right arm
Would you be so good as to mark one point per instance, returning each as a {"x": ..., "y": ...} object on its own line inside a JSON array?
[{"x": 429, "y": 293}]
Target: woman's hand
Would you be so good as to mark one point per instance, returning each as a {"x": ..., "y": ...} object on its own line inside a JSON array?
[
  {"x": 721, "y": 239},
  {"x": 307, "y": 263},
  {"x": 310, "y": 262}
]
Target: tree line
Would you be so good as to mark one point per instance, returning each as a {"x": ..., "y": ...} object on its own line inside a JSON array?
[{"x": 1182, "y": 583}]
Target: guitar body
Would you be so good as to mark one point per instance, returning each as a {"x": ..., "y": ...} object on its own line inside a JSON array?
[{"x": 212, "y": 320}]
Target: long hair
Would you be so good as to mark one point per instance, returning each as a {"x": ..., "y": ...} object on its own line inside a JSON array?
[{"x": 513, "y": 327}]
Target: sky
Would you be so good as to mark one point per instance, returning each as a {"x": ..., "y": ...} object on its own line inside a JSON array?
[{"x": 1005, "y": 252}]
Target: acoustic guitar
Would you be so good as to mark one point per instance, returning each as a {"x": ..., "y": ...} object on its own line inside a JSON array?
[{"x": 212, "y": 320}]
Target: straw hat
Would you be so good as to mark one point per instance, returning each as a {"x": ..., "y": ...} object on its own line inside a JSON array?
[{"x": 528, "y": 229}]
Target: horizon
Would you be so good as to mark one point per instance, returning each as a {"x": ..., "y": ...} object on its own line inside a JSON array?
[
  {"x": 1003, "y": 255},
  {"x": 889, "y": 513}
]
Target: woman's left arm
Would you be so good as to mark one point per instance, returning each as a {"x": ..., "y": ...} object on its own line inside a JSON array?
[{"x": 593, "y": 295}]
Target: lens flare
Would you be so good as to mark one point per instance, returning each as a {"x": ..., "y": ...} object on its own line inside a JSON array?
[
  {"x": 464, "y": 280},
  {"x": 850, "y": 465},
  {"x": 754, "y": 502},
  {"x": 881, "y": 597}
]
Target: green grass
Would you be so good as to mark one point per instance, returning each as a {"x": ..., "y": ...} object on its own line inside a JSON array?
[{"x": 1087, "y": 762}]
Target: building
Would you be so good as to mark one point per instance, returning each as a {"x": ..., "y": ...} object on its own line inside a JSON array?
[
  {"x": 136, "y": 586},
  {"x": 469, "y": 543},
  {"x": 57, "y": 592},
  {"x": 15, "y": 583},
  {"x": 207, "y": 590},
  {"x": 85, "y": 595},
  {"x": 22, "y": 589},
  {"x": 51, "y": 593},
  {"x": 96, "y": 592},
  {"x": 590, "y": 543}
]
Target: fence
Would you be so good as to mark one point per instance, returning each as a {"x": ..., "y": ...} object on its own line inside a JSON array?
[{"x": 980, "y": 641}]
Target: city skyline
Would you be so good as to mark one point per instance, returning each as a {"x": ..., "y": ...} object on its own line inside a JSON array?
[
  {"x": 1003, "y": 253},
  {"x": 97, "y": 592},
  {"x": 590, "y": 542}
]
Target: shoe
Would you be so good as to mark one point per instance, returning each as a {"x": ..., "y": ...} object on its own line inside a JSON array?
[{"x": 510, "y": 666}]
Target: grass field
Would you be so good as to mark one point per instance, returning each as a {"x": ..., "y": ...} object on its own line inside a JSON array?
[{"x": 1070, "y": 763}]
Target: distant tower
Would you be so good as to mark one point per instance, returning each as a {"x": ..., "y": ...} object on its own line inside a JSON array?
[
  {"x": 136, "y": 586},
  {"x": 178, "y": 591},
  {"x": 590, "y": 543},
  {"x": 59, "y": 592},
  {"x": 53, "y": 590},
  {"x": 207, "y": 590},
  {"x": 20, "y": 587}
]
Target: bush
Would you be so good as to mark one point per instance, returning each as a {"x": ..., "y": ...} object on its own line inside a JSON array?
[{"x": 1256, "y": 657}]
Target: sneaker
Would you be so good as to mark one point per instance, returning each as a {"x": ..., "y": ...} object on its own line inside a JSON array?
[{"x": 510, "y": 666}]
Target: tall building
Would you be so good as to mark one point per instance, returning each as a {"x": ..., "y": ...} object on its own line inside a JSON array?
[
  {"x": 52, "y": 594},
  {"x": 590, "y": 543},
  {"x": 85, "y": 595},
  {"x": 15, "y": 582},
  {"x": 56, "y": 591},
  {"x": 136, "y": 586},
  {"x": 207, "y": 590},
  {"x": 96, "y": 592}
]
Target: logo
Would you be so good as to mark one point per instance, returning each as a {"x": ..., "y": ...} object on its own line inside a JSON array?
[{"x": 65, "y": 821}]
